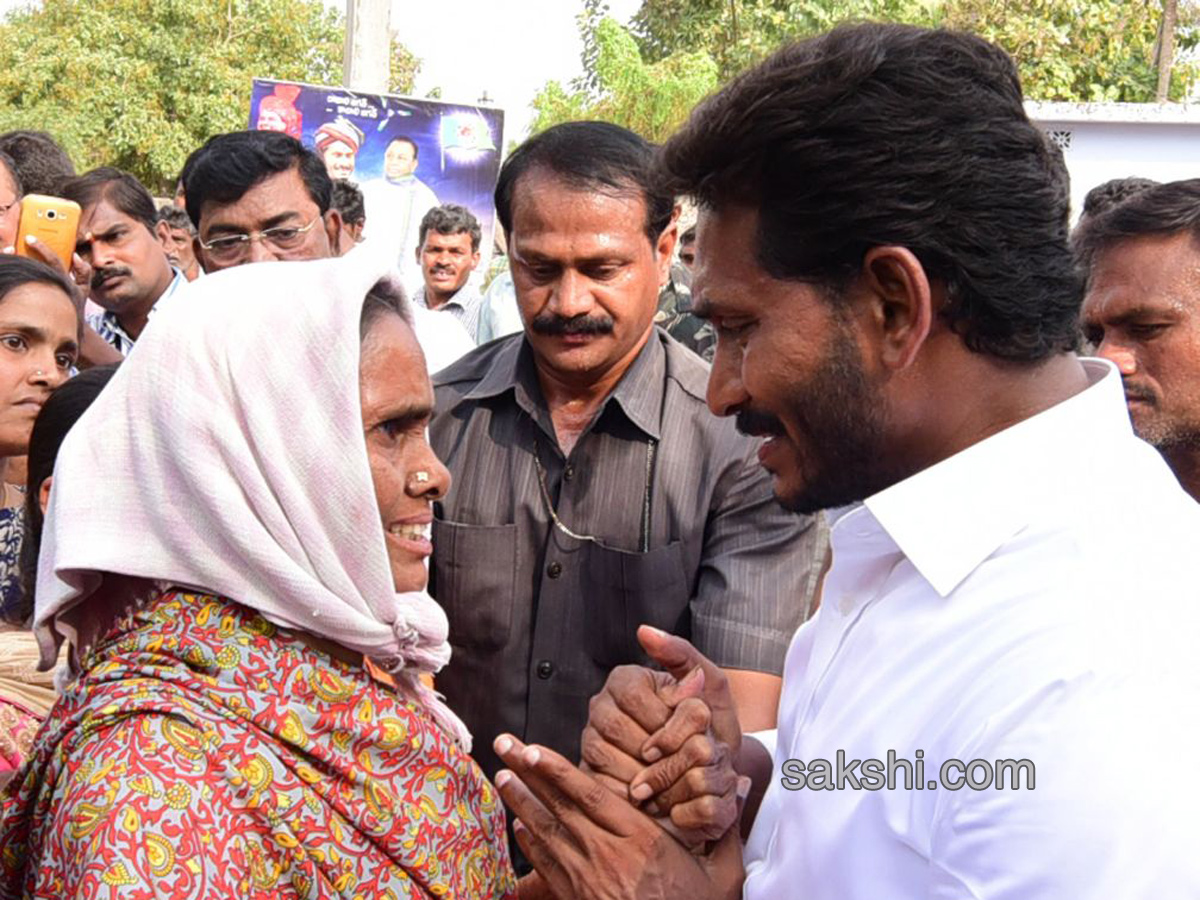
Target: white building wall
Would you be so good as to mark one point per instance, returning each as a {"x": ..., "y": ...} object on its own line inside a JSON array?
[{"x": 1116, "y": 140}]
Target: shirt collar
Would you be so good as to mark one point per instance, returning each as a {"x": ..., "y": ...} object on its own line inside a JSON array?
[
  {"x": 639, "y": 393},
  {"x": 952, "y": 516},
  {"x": 464, "y": 298}
]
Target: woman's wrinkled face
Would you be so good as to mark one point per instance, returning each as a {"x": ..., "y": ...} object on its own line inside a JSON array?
[
  {"x": 39, "y": 332},
  {"x": 397, "y": 404}
]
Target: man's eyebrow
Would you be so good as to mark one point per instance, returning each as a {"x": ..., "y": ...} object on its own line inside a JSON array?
[
  {"x": 1135, "y": 313},
  {"x": 273, "y": 222}
]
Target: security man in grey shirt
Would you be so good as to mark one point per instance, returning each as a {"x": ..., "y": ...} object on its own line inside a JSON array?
[{"x": 593, "y": 491}]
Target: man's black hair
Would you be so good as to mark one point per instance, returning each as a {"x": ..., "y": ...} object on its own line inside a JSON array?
[
  {"x": 120, "y": 189},
  {"x": 450, "y": 219},
  {"x": 589, "y": 156},
  {"x": 228, "y": 165},
  {"x": 176, "y": 217},
  {"x": 874, "y": 135},
  {"x": 348, "y": 200},
  {"x": 41, "y": 164},
  {"x": 1104, "y": 197},
  {"x": 1163, "y": 209}
]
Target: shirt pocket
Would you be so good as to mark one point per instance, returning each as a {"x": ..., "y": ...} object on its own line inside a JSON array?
[
  {"x": 474, "y": 580},
  {"x": 625, "y": 590}
]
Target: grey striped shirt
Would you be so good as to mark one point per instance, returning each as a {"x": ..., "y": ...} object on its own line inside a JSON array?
[
  {"x": 466, "y": 305},
  {"x": 688, "y": 537}
]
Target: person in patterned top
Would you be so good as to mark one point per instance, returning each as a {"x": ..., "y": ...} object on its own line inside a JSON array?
[{"x": 249, "y": 625}]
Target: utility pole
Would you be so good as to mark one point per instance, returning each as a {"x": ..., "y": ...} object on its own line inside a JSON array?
[
  {"x": 1166, "y": 49},
  {"x": 366, "y": 62}
]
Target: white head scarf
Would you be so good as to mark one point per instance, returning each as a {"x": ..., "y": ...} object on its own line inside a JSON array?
[{"x": 227, "y": 454}]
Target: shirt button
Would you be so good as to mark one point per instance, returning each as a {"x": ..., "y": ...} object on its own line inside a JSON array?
[
  {"x": 554, "y": 569},
  {"x": 568, "y": 473},
  {"x": 545, "y": 669},
  {"x": 846, "y": 604}
]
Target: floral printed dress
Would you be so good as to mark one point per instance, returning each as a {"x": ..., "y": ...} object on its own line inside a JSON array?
[{"x": 205, "y": 753}]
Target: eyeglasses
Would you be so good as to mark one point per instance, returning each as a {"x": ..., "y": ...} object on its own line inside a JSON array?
[{"x": 229, "y": 247}]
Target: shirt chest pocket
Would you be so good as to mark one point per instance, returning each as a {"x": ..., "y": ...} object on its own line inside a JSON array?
[
  {"x": 624, "y": 590},
  {"x": 474, "y": 580}
]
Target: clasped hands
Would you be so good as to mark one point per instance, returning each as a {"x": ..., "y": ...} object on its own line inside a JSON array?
[{"x": 651, "y": 812}]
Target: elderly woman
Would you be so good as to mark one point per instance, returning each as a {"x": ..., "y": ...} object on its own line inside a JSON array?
[{"x": 236, "y": 526}]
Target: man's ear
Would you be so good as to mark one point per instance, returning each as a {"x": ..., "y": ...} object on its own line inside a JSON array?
[
  {"x": 664, "y": 248},
  {"x": 333, "y": 231},
  {"x": 901, "y": 303},
  {"x": 162, "y": 231}
]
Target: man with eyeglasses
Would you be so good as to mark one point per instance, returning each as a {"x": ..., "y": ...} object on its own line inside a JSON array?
[{"x": 259, "y": 196}]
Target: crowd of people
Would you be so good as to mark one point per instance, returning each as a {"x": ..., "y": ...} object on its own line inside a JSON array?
[{"x": 814, "y": 435}]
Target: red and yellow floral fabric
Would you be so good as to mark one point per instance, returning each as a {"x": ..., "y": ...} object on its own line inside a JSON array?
[{"x": 205, "y": 753}]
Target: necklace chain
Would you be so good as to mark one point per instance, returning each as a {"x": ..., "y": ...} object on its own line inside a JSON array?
[{"x": 544, "y": 490}]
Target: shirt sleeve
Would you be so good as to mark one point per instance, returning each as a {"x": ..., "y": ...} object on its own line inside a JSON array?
[{"x": 759, "y": 572}]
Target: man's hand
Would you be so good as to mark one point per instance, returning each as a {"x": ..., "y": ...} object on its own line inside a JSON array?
[
  {"x": 671, "y": 736},
  {"x": 587, "y": 843}
]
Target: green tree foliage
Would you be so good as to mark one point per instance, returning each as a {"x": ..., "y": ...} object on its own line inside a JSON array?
[
  {"x": 738, "y": 33},
  {"x": 1068, "y": 50},
  {"x": 140, "y": 83},
  {"x": 651, "y": 98},
  {"x": 404, "y": 69},
  {"x": 1081, "y": 50}
]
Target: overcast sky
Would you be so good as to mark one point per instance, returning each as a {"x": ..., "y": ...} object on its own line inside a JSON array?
[{"x": 509, "y": 48}]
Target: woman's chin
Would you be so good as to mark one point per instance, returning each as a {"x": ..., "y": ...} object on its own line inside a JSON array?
[{"x": 407, "y": 578}]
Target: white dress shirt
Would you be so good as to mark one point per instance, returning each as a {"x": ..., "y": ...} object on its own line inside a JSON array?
[{"x": 1032, "y": 597}]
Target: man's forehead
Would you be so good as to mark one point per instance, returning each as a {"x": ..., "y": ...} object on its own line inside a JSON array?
[
  {"x": 278, "y": 194},
  {"x": 544, "y": 203},
  {"x": 101, "y": 216},
  {"x": 455, "y": 239},
  {"x": 1143, "y": 276}
]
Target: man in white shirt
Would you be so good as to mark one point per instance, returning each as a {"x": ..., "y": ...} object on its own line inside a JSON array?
[
  {"x": 883, "y": 253},
  {"x": 1142, "y": 312},
  {"x": 397, "y": 203}
]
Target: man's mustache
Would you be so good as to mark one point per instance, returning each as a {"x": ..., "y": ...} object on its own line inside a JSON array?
[
  {"x": 551, "y": 324},
  {"x": 1136, "y": 393},
  {"x": 753, "y": 423},
  {"x": 99, "y": 275}
]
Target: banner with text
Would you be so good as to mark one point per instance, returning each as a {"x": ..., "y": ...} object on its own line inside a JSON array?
[{"x": 406, "y": 155}]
